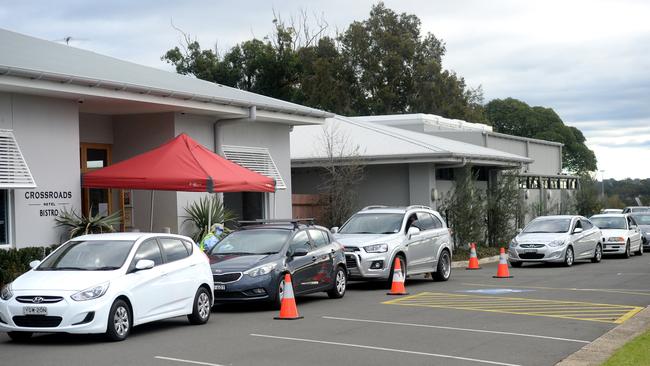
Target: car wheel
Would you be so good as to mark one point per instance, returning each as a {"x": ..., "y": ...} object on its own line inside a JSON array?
[
  {"x": 20, "y": 336},
  {"x": 119, "y": 321},
  {"x": 627, "y": 250},
  {"x": 569, "y": 257},
  {"x": 444, "y": 267},
  {"x": 516, "y": 264},
  {"x": 402, "y": 264},
  {"x": 201, "y": 309},
  {"x": 598, "y": 254},
  {"x": 277, "y": 301},
  {"x": 340, "y": 283},
  {"x": 640, "y": 251}
]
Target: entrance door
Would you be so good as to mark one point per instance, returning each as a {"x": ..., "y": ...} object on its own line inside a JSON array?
[
  {"x": 93, "y": 157},
  {"x": 245, "y": 205}
]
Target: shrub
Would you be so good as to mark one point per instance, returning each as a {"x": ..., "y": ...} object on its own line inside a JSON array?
[
  {"x": 199, "y": 212},
  {"x": 14, "y": 262},
  {"x": 81, "y": 225}
]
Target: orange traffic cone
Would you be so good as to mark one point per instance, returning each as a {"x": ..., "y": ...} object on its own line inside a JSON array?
[
  {"x": 397, "y": 288},
  {"x": 502, "y": 269},
  {"x": 473, "y": 259},
  {"x": 288, "y": 309}
]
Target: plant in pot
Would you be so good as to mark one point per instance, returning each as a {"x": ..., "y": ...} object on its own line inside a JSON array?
[{"x": 79, "y": 224}]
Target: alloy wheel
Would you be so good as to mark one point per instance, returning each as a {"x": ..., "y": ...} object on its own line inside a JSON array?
[
  {"x": 340, "y": 281},
  {"x": 446, "y": 265},
  {"x": 203, "y": 305},
  {"x": 121, "y": 321},
  {"x": 569, "y": 256}
]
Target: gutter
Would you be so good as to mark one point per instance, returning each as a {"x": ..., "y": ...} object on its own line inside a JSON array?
[{"x": 165, "y": 93}]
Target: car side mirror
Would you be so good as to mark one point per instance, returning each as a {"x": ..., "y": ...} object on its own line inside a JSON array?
[
  {"x": 299, "y": 252},
  {"x": 34, "y": 264},
  {"x": 577, "y": 230},
  {"x": 143, "y": 264},
  {"x": 334, "y": 230},
  {"x": 413, "y": 231}
]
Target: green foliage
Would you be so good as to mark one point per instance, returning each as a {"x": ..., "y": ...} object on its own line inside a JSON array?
[
  {"x": 92, "y": 224},
  {"x": 626, "y": 190},
  {"x": 206, "y": 209},
  {"x": 634, "y": 353},
  {"x": 587, "y": 196},
  {"x": 514, "y": 117},
  {"x": 14, "y": 262},
  {"x": 503, "y": 209},
  {"x": 465, "y": 209},
  {"x": 380, "y": 65},
  {"x": 462, "y": 253}
]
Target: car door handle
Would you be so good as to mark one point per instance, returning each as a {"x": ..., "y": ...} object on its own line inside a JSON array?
[{"x": 313, "y": 258}]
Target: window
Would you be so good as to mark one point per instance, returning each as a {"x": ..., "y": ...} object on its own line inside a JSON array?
[
  {"x": 300, "y": 240},
  {"x": 437, "y": 224},
  {"x": 523, "y": 183},
  {"x": 319, "y": 238},
  {"x": 4, "y": 216},
  {"x": 425, "y": 221},
  {"x": 481, "y": 173},
  {"x": 174, "y": 249},
  {"x": 555, "y": 184},
  {"x": 563, "y": 184},
  {"x": 148, "y": 250},
  {"x": 586, "y": 225},
  {"x": 445, "y": 174}
]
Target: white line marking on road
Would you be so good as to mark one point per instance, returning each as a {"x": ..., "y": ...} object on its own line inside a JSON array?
[
  {"x": 459, "y": 329},
  {"x": 187, "y": 361},
  {"x": 386, "y": 349}
]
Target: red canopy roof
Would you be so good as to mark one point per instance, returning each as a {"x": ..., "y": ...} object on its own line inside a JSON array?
[{"x": 181, "y": 164}]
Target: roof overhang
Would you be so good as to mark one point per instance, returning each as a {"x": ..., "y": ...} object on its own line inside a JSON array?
[{"x": 410, "y": 159}]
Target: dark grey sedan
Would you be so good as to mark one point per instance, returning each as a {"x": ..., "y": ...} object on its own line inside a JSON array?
[
  {"x": 643, "y": 220},
  {"x": 250, "y": 263}
]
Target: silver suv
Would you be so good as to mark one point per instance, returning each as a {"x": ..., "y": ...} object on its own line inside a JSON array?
[{"x": 375, "y": 236}]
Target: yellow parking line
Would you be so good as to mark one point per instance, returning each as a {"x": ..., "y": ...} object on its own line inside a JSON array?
[
  {"x": 627, "y": 292},
  {"x": 597, "y": 312}
]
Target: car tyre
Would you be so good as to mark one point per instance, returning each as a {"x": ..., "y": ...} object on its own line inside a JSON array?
[
  {"x": 598, "y": 254},
  {"x": 20, "y": 336},
  {"x": 340, "y": 284},
  {"x": 277, "y": 301},
  {"x": 516, "y": 264},
  {"x": 119, "y": 321},
  {"x": 402, "y": 263},
  {"x": 569, "y": 257},
  {"x": 640, "y": 251},
  {"x": 201, "y": 308},
  {"x": 627, "y": 250},
  {"x": 443, "y": 271}
]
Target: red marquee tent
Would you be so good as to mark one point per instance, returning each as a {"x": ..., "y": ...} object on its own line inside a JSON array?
[{"x": 181, "y": 164}]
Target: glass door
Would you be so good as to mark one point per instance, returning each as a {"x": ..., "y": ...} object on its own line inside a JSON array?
[{"x": 93, "y": 157}]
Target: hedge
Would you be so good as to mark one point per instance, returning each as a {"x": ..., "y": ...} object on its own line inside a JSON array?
[{"x": 14, "y": 262}]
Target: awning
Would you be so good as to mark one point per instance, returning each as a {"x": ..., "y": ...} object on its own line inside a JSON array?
[
  {"x": 181, "y": 164},
  {"x": 14, "y": 172},
  {"x": 257, "y": 159}
]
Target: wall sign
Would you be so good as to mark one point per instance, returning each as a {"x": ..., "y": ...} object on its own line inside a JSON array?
[{"x": 49, "y": 203}]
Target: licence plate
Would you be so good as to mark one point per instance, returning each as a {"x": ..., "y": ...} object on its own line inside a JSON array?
[
  {"x": 530, "y": 251},
  {"x": 34, "y": 310},
  {"x": 220, "y": 287}
]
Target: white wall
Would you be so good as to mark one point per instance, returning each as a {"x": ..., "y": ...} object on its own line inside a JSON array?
[
  {"x": 95, "y": 128},
  {"x": 133, "y": 135},
  {"x": 47, "y": 131},
  {"x": 272, "y": 136}
]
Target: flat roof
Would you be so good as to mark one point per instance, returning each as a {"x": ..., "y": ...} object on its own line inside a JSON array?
[
  {"x": 30, "y": 57},
  {"x": 378, "y": 144}
]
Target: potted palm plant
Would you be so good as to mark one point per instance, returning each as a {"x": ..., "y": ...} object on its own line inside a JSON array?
[{"x": 206, "y": 211}]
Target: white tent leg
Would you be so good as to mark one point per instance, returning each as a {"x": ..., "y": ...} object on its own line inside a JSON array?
[{"x": 151, "y": 215}]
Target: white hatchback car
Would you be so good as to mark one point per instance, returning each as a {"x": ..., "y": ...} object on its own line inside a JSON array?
[
  {"x": 621, "y": 234},
  {"x": 108, "y": 283}
]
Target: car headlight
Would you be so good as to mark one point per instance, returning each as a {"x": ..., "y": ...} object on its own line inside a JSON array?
[
  {"x": 513, "y": 243},
  {"x": 617, "y": 239},
  {"x": 376, "y": 248},
  {"x": 91, "y": 292},
  {"x": 556, "y": 243},
  {"x": 6, "y": 292},
  {"x": 261, "y": 270}
]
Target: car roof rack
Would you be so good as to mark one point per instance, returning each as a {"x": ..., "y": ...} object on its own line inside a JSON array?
[
  {"x": 307, "y": 221},
  {"x": 373, "y": 207},
  {"x": 418, "y": 206}
]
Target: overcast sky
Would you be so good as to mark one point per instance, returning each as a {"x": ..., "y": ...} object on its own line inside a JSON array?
[{"x": 588, "y": 60}]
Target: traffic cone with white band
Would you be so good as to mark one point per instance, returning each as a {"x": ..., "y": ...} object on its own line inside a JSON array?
[
  {"x": 502, "y": 269},
  {"x": 397, "y": 288},
  {"x": 473, "y": 258},
  {"x": 288, "y": 309}
]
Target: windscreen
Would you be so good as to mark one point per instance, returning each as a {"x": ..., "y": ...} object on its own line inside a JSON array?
[
  {"x": 90, "y": 255},
  {"x": 254, "y": 241},
  {"x": 609, "y": 222},
  {"x": 373, "y": 223},
  {"x": 642, "y": 219},
  {"x": 559, "y": 225}
]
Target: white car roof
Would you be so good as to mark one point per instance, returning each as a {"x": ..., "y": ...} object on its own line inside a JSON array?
[
  {"x": 611, "y": 215},
  {"x": 128, "y": 236}
]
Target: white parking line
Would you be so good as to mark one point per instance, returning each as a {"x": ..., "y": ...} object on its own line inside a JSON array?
[
  {"x": 187, "y": 361},
  {"x": 458, "y": 329},
  {"x": 386, "y": 349}
]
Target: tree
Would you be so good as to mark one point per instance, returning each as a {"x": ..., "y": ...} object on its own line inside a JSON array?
[
  {"x": 514, "y": 117},
  {"x": 465, "y": 209},
  {"x": 587, "y": 196},
  {"x": 503, "y": 209},
  {"x": 343, "y": 171}
]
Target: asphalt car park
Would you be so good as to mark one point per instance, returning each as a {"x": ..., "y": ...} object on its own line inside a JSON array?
[{"x": 368, "y": 327}]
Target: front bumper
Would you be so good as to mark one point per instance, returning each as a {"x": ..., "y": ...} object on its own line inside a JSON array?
[
  {"x": 65, "y": 316},
  {"x": 544, "y": 253},
  {"x": 242, "y": 290},
  {"x": 359, "y": 265},
  {"x": 614, "y": 248}
]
